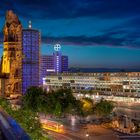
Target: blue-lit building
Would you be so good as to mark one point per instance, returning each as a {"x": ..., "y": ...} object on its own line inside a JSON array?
[
  {"x": 57, "y": 62},
  {"x": 64, "y": 62},
  {"x": 31, "y": 56},
  {"x": 53, "y": 64},
  {"x": 46, "y": 66}
]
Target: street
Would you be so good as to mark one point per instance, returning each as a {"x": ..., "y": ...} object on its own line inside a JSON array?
[{"x": 90, "y": 132}]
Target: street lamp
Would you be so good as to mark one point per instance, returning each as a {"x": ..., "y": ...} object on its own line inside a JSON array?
[{"x": 87, "y": 135}]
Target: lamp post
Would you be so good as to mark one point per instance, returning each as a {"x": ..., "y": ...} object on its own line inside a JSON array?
[{"x": 87, "y": 135}]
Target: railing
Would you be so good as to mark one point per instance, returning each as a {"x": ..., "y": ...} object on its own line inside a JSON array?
[
  {"x": 6, "y": 129},
  {"x": 11, "y": 129}
]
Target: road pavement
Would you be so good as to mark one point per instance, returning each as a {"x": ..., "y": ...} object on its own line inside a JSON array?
[
  {"x": 95, "y": 132},
  {"x": 123, "y": 136},
  {"x": 133, "y": 109}
]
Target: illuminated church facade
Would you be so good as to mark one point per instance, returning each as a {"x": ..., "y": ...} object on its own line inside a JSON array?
[
  {"x": 15, "y": 65},
  {"x": 12, "y": 54}
]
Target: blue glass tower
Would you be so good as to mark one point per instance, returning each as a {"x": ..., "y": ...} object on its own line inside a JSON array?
[{"x": 31, "y": 53}]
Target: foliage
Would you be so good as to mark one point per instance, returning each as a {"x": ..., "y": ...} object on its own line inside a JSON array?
[
  {"x": 27, "y": 119},
  {"x": 55, "y": 102},
  {"x": 92, "y": 92},
  {"x": 4, "y": 104},
  {"x": 87, "y": 106},
  {"x": 104, "y": 107},
  {"x": 34, "y": 99},
  {"x": 57, "y": 110},
  {"x": 63, "y": 100}
]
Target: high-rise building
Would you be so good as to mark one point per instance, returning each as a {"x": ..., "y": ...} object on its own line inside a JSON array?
[
  {"x": 56, "y": 63},
  {"x": 64, "y": 63},
  {"x": 31, "y": 55},
  {"x": 12, "y": 54},
  {"x": 46, "y": 66}
]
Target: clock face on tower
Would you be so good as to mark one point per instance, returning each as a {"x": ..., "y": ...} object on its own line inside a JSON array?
[{"x": 57, "y": 47}]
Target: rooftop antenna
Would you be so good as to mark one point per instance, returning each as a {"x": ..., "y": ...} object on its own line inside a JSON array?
[{"x": 30, "y": 24}]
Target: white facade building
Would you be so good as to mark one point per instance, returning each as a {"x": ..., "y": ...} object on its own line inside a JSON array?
[{"x": 123, "y": 83}]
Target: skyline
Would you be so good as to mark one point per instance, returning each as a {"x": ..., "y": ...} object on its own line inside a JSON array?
[{"x": 104, "y": 34}]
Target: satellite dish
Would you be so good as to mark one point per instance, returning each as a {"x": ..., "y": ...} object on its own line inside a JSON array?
[{"x": 57, "y": 47}]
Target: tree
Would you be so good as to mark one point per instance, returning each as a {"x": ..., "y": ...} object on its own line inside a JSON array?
[
  {"x": 29, "y": 121},
  {"x": 104, "y": 107},
  {"x": 62, "y": 100},
  {"x": 34, "y": 99},
  {"x": 57, "y": 111},
  {"x": 87, "y": 106},
  {"x": 26, "y": 118}
]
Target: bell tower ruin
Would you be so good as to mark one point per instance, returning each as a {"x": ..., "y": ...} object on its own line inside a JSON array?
[{"x": 12, "y": 54}]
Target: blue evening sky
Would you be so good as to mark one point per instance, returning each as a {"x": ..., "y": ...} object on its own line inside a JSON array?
[{"x": 93, "y": 33}]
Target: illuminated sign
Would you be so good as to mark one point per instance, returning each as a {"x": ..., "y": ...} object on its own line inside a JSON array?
[{"x": 57, "y": 47}]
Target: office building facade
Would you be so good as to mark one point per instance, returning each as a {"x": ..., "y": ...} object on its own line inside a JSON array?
[
  {"x": 64, "y": 60},
  {"x": 53, "y": 64},
  {"x": 31, "y": 58},
  {"x": 122, "y": 84},
  {"x": 46, "y": 66}
]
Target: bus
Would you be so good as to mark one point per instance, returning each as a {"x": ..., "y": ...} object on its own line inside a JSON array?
[{"x": 52, "y": 125}]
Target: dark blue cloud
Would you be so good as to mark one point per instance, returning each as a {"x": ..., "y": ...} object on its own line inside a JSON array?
[
  {"x": 93, "y": 41},
  {"x": 73, "y": 8},
  {"x": 85, "y": 23},
  {"x": 124, "y": 34}
]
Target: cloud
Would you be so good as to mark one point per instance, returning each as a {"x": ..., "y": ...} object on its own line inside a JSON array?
[
  {"x": 93, "y": 41},
  {"x": 115, "y": 38},
  {"x": 123, "y": 35},
  {"x": 56, "y": 9}
]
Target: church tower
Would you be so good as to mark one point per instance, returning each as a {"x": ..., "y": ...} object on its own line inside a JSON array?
[{"x": 12, "y": 54}]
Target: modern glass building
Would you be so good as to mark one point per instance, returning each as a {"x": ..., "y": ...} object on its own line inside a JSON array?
[
  {"x": 56, "y": 63},
  {"x": 46, "y": 66},
  {"x": 31, "y": 55},
  {"x": 64, "y": 63}
]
